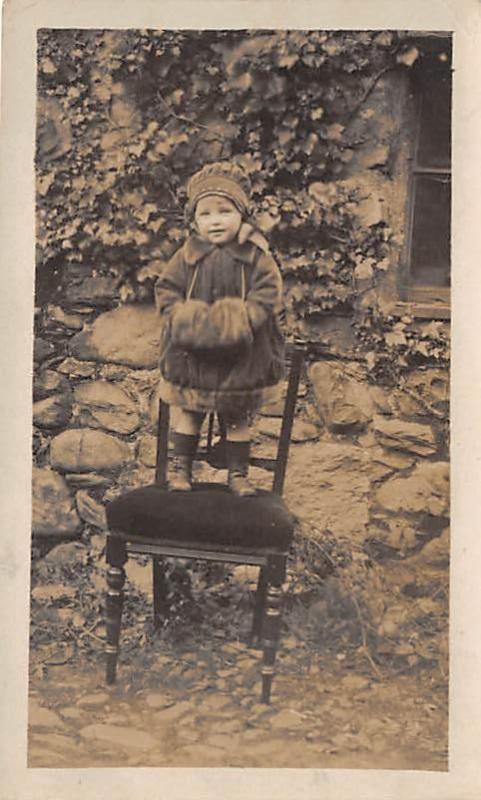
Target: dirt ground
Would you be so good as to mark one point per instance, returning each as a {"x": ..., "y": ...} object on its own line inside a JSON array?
[{"x": 189, "y": 695}]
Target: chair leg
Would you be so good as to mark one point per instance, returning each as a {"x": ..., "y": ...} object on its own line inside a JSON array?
[
  {"x": 260, "y": 602},
  {"x": 271, "y": 632},
  {"x": 275, "y": 575},
  {"x": 114, "y": 605},
  {"x": 161, "y": 589}
]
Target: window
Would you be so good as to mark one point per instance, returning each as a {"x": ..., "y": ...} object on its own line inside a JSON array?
[{"x": 427, "y": 263}]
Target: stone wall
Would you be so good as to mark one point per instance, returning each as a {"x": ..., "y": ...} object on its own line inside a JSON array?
[{"x": 366, "y": 463}]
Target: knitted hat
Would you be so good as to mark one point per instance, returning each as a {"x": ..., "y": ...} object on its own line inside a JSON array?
[{"x": 223, "y": 179}]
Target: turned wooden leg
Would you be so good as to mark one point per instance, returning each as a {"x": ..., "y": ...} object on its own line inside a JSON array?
[
  {"x": 271, "y": 627},
  {"x": 270, "y": 640},
  {"x": 260, "y": 602},
  {"x": 161, "y": 590},
  {"x": 114, "y": 604}
]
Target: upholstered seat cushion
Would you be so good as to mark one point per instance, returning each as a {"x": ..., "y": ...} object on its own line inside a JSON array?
[{"x": 208, "y": 514}]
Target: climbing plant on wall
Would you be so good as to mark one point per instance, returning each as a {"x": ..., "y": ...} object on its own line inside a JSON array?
[{"x": 124, "y": 117}]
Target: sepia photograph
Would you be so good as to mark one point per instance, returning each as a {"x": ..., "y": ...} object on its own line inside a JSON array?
[{"x": 240, "y": 551}]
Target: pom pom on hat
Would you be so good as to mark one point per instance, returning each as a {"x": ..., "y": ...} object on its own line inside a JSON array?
[{"x": 223, "y": 179}]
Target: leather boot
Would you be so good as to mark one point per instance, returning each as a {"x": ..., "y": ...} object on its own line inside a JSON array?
[
  {"x": 180, "y": 473},
  {"x": 237, "y": 454}
]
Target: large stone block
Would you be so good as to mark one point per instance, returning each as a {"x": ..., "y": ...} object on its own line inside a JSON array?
[
  {"x": 42, "y": 349},
  {"x": 52, "y": 412},
  {"x": 301, "y": 431},
  {"x": 344, "y": 403},
  {"x": 89, "y": 510},
  {"x": 84, "y": 288},
  {"x": 48, "y": 382},
  {"x": 411, "y": 437},
  {"x": 101, "y": 404},
  {"x": 87, "y": 450},
  {"x": 77, "y": 369},
  {"x": 53, "y": 507},
  {"x": 425, "y": 491},
  {"x": 127, "y": 335},
  {"x": 426, "y": 392},
  {"x": 58, "y": 316},
  {"x": 147, "y": 450},
  {"x": 327, "y": 485}
]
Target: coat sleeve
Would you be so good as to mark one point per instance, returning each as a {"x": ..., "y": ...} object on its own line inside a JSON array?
[
  {"x": 171, "y": 286},
  {"x": 264, "y": 297}
]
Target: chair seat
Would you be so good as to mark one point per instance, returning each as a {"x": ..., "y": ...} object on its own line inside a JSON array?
[{"x": 210, "y": 514}]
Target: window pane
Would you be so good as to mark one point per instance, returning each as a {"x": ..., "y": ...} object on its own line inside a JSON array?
[
  {"x": 434, "y": 148},
  {"x": 430, "y": 248}
]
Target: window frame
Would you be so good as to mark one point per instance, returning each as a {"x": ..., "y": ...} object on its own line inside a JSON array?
[{"x": 429, "y": 301}]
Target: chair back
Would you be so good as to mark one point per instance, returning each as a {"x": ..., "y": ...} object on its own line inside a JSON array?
[{"x": 294, "y": 374}]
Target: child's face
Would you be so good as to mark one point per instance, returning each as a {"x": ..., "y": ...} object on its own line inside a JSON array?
[{"x": 217, "y": 219}]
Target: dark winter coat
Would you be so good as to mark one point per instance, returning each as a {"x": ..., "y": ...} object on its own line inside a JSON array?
[{"x": 221, "y": 345}]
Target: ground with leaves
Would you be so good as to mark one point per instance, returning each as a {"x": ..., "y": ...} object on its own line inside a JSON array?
[{"x": 346, "y": 695}]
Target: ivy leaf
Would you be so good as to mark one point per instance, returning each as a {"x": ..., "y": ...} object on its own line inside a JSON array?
[
  {"x": 124, "y": 114},
  {"x": 408, "y": 57},
  {"x": 421, "y": 347},
  {"x": 288, "y": 60},
  {"x": 156, "y": 224},
  {"x": 317, "y": 113},
  {"x": 145, "y": 212},
  {"x": 383, "y": 39},
  {"x": 284, "y": 137},
  {"x": 44, "y": 183},
  {"x": 47, "y": 66},
  {"x": 334, "y": 132},
  {"x": 241, "y": 83},
  {"x": 267, "y": 221},
  {"x": 364, "y": 271},
  {"x": 310, "y": 143},
  {"x": 433, "y": 329}
]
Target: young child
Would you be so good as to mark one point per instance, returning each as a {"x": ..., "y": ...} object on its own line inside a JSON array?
[{"x": 221, "y": 345}]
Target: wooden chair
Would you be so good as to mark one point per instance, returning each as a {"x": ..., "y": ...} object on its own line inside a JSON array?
[{"x": 208, "y": 523}]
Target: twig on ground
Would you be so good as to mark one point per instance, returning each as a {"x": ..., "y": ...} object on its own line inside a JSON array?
[{"x": 365, "y": 648}]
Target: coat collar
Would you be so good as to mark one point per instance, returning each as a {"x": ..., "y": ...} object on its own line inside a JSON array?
[{"x": 195, "y": 248}]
